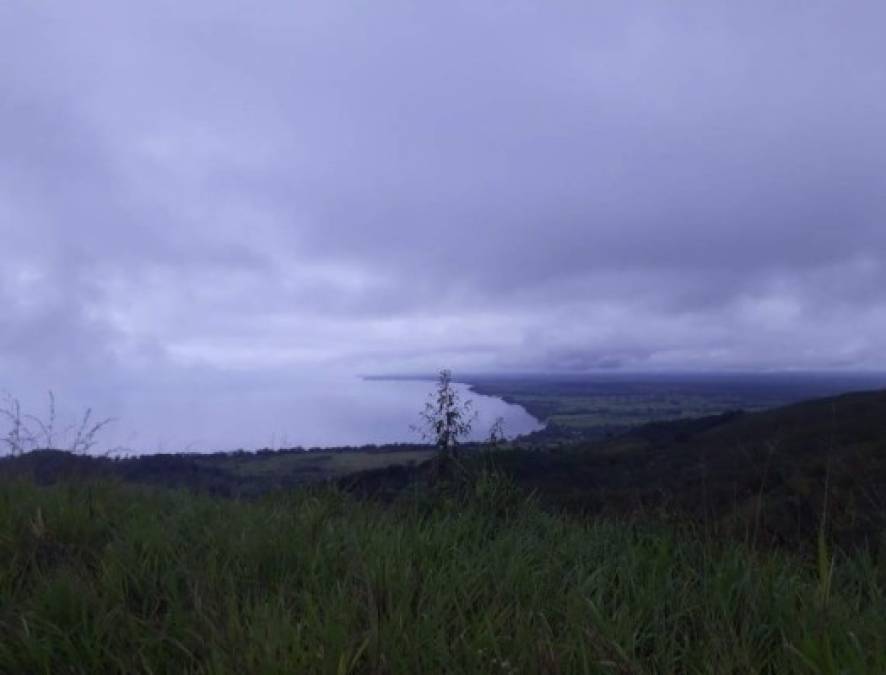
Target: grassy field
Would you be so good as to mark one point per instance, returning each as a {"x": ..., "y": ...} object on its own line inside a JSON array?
[
  {"x": 593, "y": 407},
  {"x": 742, "y": 543},
  {"x": 106, "y": 577},
  {"x": 237, "y": 474},
  {"x": 322, "y": 465}
]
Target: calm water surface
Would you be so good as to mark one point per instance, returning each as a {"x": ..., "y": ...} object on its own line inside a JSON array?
[{"x": 225, "y": 415}]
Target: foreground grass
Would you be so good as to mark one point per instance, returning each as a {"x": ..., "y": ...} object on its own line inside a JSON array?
[{"x": 110, "y": 578}]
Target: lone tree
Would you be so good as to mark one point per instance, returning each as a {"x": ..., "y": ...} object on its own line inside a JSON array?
[
  {"x": 497, "y": 433},
  {"x": 446, "y": 419}
]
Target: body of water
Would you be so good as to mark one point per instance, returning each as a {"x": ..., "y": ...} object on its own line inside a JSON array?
[{"x": 225, "y": 414}]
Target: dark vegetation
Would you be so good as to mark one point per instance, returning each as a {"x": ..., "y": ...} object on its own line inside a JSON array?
[
  {"x": 766, "y": 477},
  {"x": 738, "y": 542},
  {"x": 232, "y": 474},
  {"x": 446, "y": 420}
]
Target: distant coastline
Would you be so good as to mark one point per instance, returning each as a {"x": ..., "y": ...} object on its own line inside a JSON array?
[{"x": 478, "y": 388}]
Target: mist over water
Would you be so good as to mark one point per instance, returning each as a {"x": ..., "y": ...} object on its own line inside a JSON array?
[{"x": 236, "y": 412}]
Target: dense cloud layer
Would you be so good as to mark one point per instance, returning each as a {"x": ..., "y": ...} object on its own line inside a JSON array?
[{"x": 392, "y": 186}]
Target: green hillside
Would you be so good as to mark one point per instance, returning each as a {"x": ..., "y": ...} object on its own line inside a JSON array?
[
  {"x": 112, "y": 578},
  {"x": 778, "y": 469},
  {"x": 739, "y": 543}
]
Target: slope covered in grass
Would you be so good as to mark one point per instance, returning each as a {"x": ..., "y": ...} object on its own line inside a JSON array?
[
  {"x": 775, "y": 471},
  {"x": 110, "y": 577},
  {"x": 236, "y": 474}
]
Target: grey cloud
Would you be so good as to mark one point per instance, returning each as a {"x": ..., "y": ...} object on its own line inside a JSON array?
[{"x": 390, "y": 185}]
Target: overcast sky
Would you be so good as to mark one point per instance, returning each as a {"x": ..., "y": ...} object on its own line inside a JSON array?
[{"x": 373, "y": 186}]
